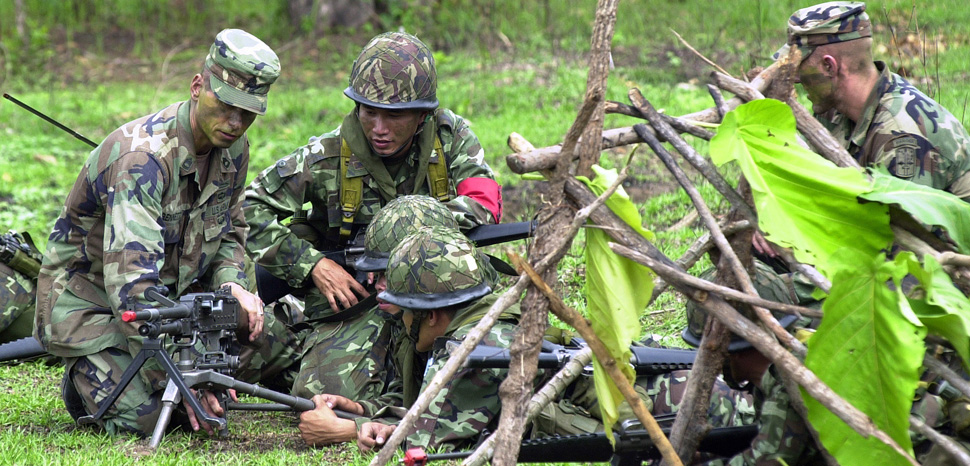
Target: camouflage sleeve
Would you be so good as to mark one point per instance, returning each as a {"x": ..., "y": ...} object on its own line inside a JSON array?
[
  {"x": 275, "y": 195},
  {"x": 914, "y": 158},
  {"x": 227, "y": 265},
  {"x": 479, "y": 200},
  {"x": 783, "y": 436},
  {"x": 134, "y": 228}
]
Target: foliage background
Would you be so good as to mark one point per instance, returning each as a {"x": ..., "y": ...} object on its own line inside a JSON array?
[{"x": 504, "y": 65}]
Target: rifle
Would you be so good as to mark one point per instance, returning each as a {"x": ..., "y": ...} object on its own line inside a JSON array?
[
  {"x": 271, "y": 288},
  {"x": 214, "y": 321},
  {"x": 645, "y": 360},
  {"x": 633, "y": 447}
]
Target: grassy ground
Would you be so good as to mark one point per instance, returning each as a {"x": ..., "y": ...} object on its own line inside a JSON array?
[{"x": 532, "y": 87}]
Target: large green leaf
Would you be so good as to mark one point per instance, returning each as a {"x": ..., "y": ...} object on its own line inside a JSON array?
[
  {"x": 868, "y": 349},
  {"x": 803, "y": 201},
  {"x": 929, "y": 206},
  {"x": 617, "y": 291},
  {"x": 945, "y": 311}
]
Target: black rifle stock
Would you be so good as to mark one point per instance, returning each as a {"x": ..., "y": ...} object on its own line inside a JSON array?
[
  {"x": 645, "y": 360},
  {"x": 633, "y": 447}
]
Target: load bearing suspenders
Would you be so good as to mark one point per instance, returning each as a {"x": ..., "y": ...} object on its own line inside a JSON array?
[{"x": 351, "y": 189}]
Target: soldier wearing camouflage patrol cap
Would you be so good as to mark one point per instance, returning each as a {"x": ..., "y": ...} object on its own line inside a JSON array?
[
  {"x": 395, "y": 141},
  {"x": 157, "y": 204},
  {"x": 438, "y": 279},
  {"x": 880, "y": 118}
]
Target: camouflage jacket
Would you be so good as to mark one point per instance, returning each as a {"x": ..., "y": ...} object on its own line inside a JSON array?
[
  {"x": 311, "y": 175},
  {"x": 783, "y": 435},
  {"x": 908, "y": 133},
  {"x": 467, "y": 404},
  {"x": 136, "y": 218}
]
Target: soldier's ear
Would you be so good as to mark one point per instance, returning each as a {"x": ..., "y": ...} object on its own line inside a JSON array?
[
  {"x": 195, "y": 89},
  {"x": 829, "y": 65}
]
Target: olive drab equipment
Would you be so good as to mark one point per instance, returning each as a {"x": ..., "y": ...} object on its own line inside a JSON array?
[{"x": 351, "y": 188}]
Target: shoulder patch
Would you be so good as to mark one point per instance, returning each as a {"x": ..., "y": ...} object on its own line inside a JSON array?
[{"x": 905, "y": 163}]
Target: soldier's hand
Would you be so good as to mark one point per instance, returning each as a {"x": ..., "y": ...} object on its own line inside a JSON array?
[
  {"x": 372, "y": 436},
  {"x": 339, "y": 402},
  {"x": 210, "y": 403},
  {"x": 253, "y": 306},
  {"x": 321, "y": 426},
  {"x": 336, "y": 284},
  {"x": 762, "y": 245}
]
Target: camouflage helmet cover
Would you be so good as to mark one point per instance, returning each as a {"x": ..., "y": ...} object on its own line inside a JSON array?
[
  {"x": 241, "y": 68},
  {"x": 395, "y": 70},
  {"x": 826, "y": 23},
  {"x": 434, "y": 268},
  {"x": 769, "y": 285},
  {"x": 398, "y": 219}
]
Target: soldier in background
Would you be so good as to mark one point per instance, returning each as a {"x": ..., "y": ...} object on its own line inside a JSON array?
[
  {"x": 19, "y": 265},
  {"x": 157, "y": 204},
  {"x": 396, "y": 141},
  {"x": 877, "y": 116}
]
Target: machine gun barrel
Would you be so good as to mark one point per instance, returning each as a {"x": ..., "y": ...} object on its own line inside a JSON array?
[{"x": 645, "y": 360}]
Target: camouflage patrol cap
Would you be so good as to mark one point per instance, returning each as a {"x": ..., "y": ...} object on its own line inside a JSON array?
[
  {"x": 241, "y": 68},
  {"x": 395, "y": 70},
  {"x": 398, "y": 219},
  {"x": 769, "y": 285},
  {"x": 826, "y": 23},
  {"x": 434, "y": 268}
]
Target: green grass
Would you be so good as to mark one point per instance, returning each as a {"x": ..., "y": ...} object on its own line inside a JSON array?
[{"x": 532, "y": 87}]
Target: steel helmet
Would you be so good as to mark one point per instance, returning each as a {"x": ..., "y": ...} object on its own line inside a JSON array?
[
  {"x": 434, "y": 268},
  {"x": 398, "y": 219},
  {"x": 395, "y": 70}
]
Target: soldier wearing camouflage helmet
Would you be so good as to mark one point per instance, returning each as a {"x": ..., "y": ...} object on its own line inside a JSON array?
[
  {"x": 438, "y": 278},
  {"x": 365, "y": 368},
  {"x": 157, "y": 204},
  {"x": 396, "y": 141},
  {"x": 880, "y": 118},
  {"x": 783, "y": 435}
]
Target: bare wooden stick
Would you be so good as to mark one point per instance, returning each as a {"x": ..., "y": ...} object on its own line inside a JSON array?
[
  {"x": 702, "y": 57},
  {"x": 719, "y": 103},
  {"x": 686, "y": 279},
  {"x": 954, "y": 449},
  {"x": 786, "y": 362},
  {"x": 679, "y": 124},
  {"x": 578, "y": 322},
  {"x": 547, "y": 394},
  {"x": 721, "y": 241},
  {"x": 687, "y": 151},
  {"x": 545, "y": 157}
]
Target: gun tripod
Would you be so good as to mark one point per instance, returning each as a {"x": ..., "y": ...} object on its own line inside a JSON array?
[{"x": 189, "y": 373}]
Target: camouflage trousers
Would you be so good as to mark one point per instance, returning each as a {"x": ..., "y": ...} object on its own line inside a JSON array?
[
  {"x": 351, "y": 358},
  {"x": 17, "y": 297},
  {"x": 136, "y": 410}
]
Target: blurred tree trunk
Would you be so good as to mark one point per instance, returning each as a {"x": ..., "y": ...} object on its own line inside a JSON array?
[
  {"x": 325, "y": 15},
  {"x": 20, "y": 19}
]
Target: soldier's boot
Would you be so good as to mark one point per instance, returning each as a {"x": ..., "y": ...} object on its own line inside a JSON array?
[{"x": 72, "y": 399}]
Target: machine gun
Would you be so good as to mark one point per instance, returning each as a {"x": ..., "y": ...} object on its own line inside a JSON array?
[
  {"x": 633, "y": 447},
  {"x": 204, "y": 328},
  {"x": 645, "y": 360}
]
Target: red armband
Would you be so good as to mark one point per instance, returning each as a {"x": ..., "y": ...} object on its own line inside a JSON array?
[{"x": 486, "y": 192}]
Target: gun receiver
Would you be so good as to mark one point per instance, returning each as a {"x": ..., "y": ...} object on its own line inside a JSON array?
[{"x": 645, "y": 360}]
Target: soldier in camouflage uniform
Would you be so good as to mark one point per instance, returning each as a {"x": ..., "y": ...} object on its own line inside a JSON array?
[
  {"x": 395, "y": 141},
  {"x": 438, "y": 279},
  {"x": 19, "y": 262},
  {"x": 325, "y": 364},
  {"x": 879, "y": 117},
  {"x": 157, "y": 204}
]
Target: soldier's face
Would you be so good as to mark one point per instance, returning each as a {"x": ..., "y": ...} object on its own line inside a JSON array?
[
  {"x": 214, "y": 123},
  {"x": 819, "y": 87},
  {"x": 389, "y": 131},
  {"x": 380, "y": 284},
  {"x": 425, "y": 337}
]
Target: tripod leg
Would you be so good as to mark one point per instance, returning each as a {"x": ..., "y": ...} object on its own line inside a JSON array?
[
  {"x": 126, "y": 377},
  {"x": 170, "y": 398}
]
